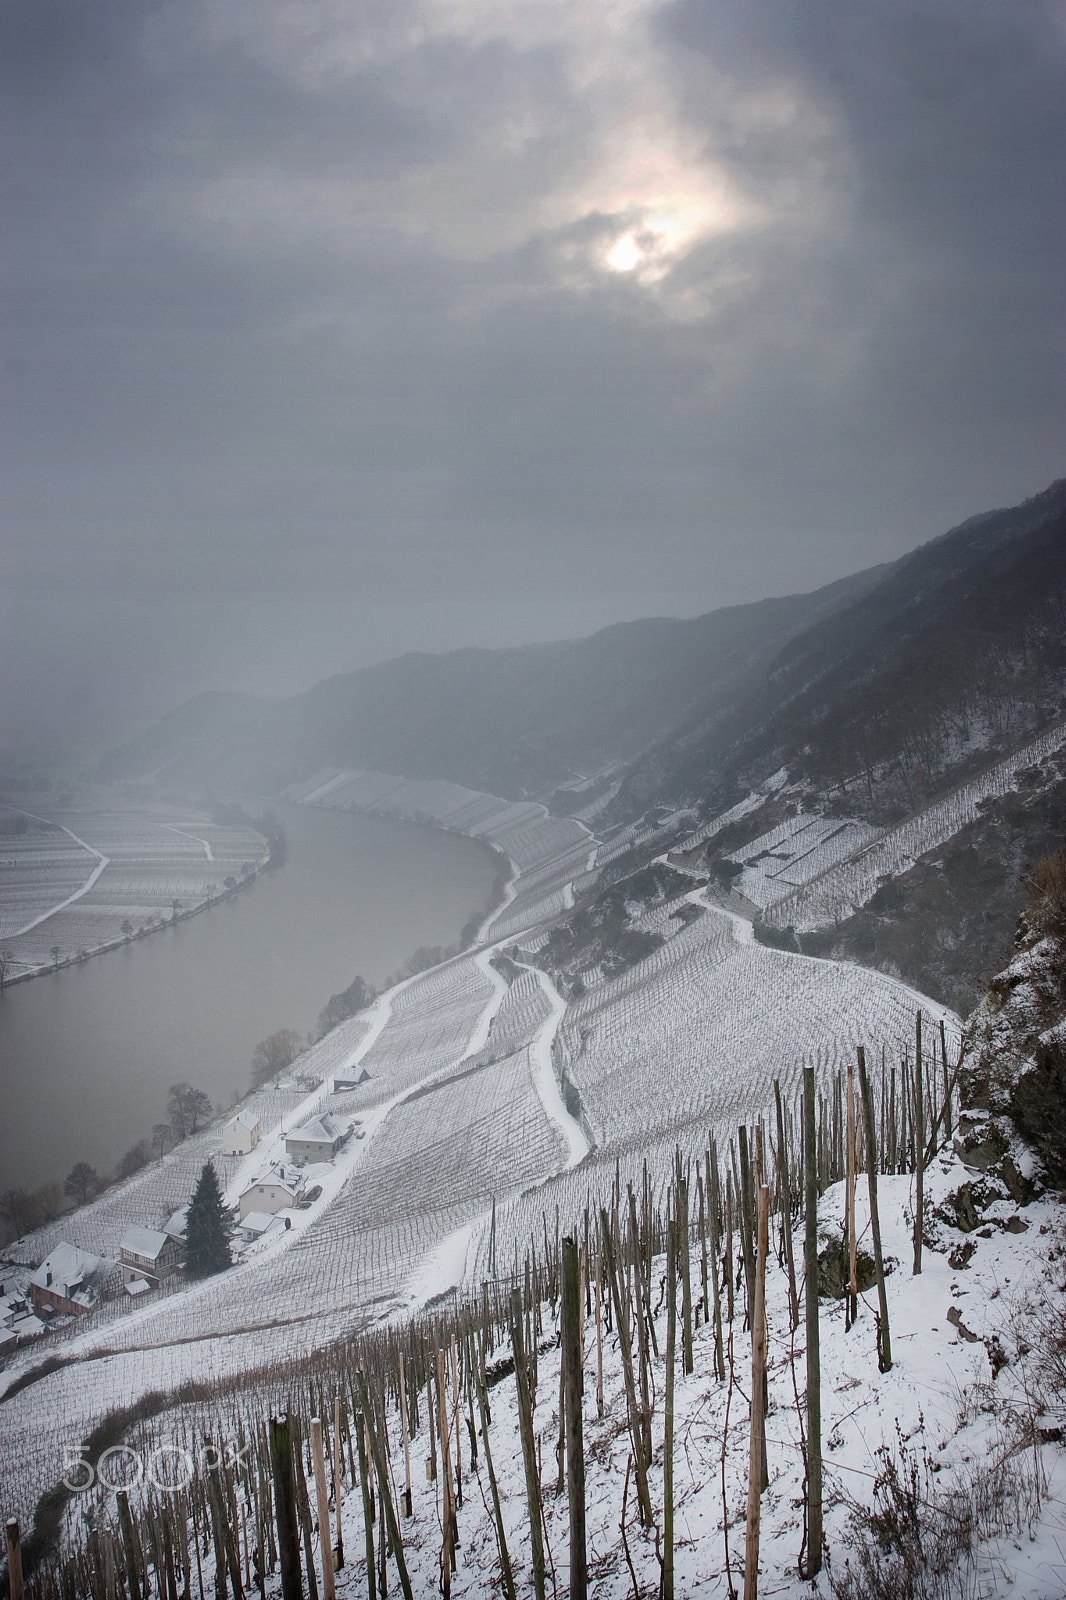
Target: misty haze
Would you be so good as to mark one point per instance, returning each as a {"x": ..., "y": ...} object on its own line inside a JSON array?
[{"x": 533, "y": 799}]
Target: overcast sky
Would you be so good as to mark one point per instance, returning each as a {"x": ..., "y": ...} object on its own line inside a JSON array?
[{"x": 338, "y": 328}]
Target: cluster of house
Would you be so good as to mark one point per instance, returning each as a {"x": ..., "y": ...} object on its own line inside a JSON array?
[{"x": 73, "y": 1282}]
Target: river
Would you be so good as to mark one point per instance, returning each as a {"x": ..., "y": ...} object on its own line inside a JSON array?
[{"x": 87, "y": 1054}]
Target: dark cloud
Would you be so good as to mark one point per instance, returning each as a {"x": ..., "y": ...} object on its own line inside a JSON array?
[{"x": 332, "y": 308}]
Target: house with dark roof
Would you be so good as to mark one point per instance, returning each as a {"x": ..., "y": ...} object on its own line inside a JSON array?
[{"x": 148, "y": 1256}]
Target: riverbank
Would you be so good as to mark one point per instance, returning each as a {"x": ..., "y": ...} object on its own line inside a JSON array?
[
  {"x": 103, "y": 1042},
  {"x": 90, "y": 875}
]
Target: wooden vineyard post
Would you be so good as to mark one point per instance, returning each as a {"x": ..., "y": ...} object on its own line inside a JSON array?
[
  {"x": 599, "y": 1339},
  {"x": 125, "y": 1522},
  {"x": 285, "y": 1504},
  {"x": 325, "y": 1537},
  {"x": 852, "y": 1308},
  {"x": 714, "y": 1203},
  {"x": 667, "y": 1587},
  {"x": 573, "y": 1384},
  {"x": 684, "y": 1255},
  {"x": 814, "y": 1367},
  {"x": 884, "y": 1341},
  {"x": 747, "y": 1209},
  {"x": 455, "y": 1424},
  {"x": 497, "y": 1510},
  {"x": 529, "y": 1450},
  {"x": 303, "y": 1510},
  {"x": 919, "y": 1147},
  {"x": 368, "y": 1510},
  {"x": 407, "y": 1506},
  {"x": 448, "y": 1519},
  {"x": 381, "y": 1467},
  {"x": 14, "y": 1560},
  {"x": 785, "y": 1197},
  {"x": 757, "y": 1444},
  {"x": 431, "y": 1459},
  {"x": 625, "y": 1348},
  {"x": 338, "y": 1471}
]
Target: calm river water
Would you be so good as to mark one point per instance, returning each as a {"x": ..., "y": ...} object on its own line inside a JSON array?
[{"x": 87, "y": 1054}]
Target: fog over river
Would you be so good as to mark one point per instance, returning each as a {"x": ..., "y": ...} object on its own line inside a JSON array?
[{"x": 87, "y": 1053}]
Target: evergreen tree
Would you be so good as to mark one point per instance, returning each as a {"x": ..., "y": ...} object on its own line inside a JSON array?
[{"x": 206, "y": 1231}]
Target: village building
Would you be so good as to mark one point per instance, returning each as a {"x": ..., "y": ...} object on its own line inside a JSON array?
[
  {"x": 316, "y": 1141},
  {"x": 256, "y": 1224},
  {"x": 176, "y": 1224},
  {"x": 241, "y": 1134},
  {"x": 71, "y": 1282},
  {"x": 270, "y": 1194},
  {"x": 148, "y": 1256},
  {"x": 350, "y": 1080}
]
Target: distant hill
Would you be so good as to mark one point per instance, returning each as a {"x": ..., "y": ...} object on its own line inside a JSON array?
[
  {"x": 516, "y": 721},
  {"x": 952, "y": 655}
]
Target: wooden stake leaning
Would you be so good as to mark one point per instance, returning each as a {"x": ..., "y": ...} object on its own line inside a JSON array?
[
  {"x": 573, "y": 1385},
  {"x": 852, "y": 1307},
  {"x": 381, "y": 1468},
  {"x": 368, "y": 1510},
  {"x": 529, "y": 1458},
  {"x": 757, "y": 1444},
  {"x": 814, "y": 1368},
  {"x": 919, "y": 1147},
  {"x": 325, "y": 1537},
  {"x": 884, "y": 1341},
  {"x": 666, "y": 1589},
  {"x": 407, "y": 1510}
]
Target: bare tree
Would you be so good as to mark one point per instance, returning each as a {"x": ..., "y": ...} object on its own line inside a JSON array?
[
  {"x": 187, "y": 1108},
  {"x": 82, "y": 1182},
  {"x": 137, "y": 1156},
  {"x": 273, "y": 1054},
  {"x": 162, "y": 1138},
  {"x": 7, "y": 961},
  {"x": 19, "y": 1209},
  {"x": 54, "y": 953},
  {"x": 50, "y": 1201},
  {"x": 127, "y": 930}
]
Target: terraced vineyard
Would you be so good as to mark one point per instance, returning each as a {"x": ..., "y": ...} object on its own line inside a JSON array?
[
  {"x": 81, "y": 879},
  {"x": 461, "y": 1107}
]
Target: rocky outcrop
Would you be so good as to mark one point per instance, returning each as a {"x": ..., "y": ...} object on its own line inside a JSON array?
[{"x": 1013, "y": 1079}]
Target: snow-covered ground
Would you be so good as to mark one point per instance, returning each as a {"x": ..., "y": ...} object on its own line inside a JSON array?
[
  {"x": 847, "y": 884},
  {"x": 76, "y": 875},
  {"x": 940, "y": 1406},
  {"x": 462, "y": 1108}
]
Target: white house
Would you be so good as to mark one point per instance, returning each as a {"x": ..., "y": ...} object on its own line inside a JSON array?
[
  {"x": 241, "y": 1134},
  {"x": 270, "y": 1194},
  {"x": 256, "y": 1223}
]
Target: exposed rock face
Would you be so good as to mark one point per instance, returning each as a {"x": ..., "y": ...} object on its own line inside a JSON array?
[{"x": 1013, "y": 1079}]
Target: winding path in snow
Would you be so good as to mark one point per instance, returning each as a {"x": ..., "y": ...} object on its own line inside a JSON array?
[
  {"x": 102, "y": 861},
  {"x": 544, "y": 1079}
]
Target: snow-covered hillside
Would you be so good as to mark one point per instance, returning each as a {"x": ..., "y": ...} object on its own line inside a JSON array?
[{"x": 464, "y": 1127}]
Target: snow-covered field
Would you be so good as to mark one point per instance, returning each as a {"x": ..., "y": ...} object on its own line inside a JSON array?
[
  {"x": 78, "y": 874},
  {"x": 462, "y": 1108},
  {"x": 939, "y": 1406},
  {"x": 846, "y": 885}
]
